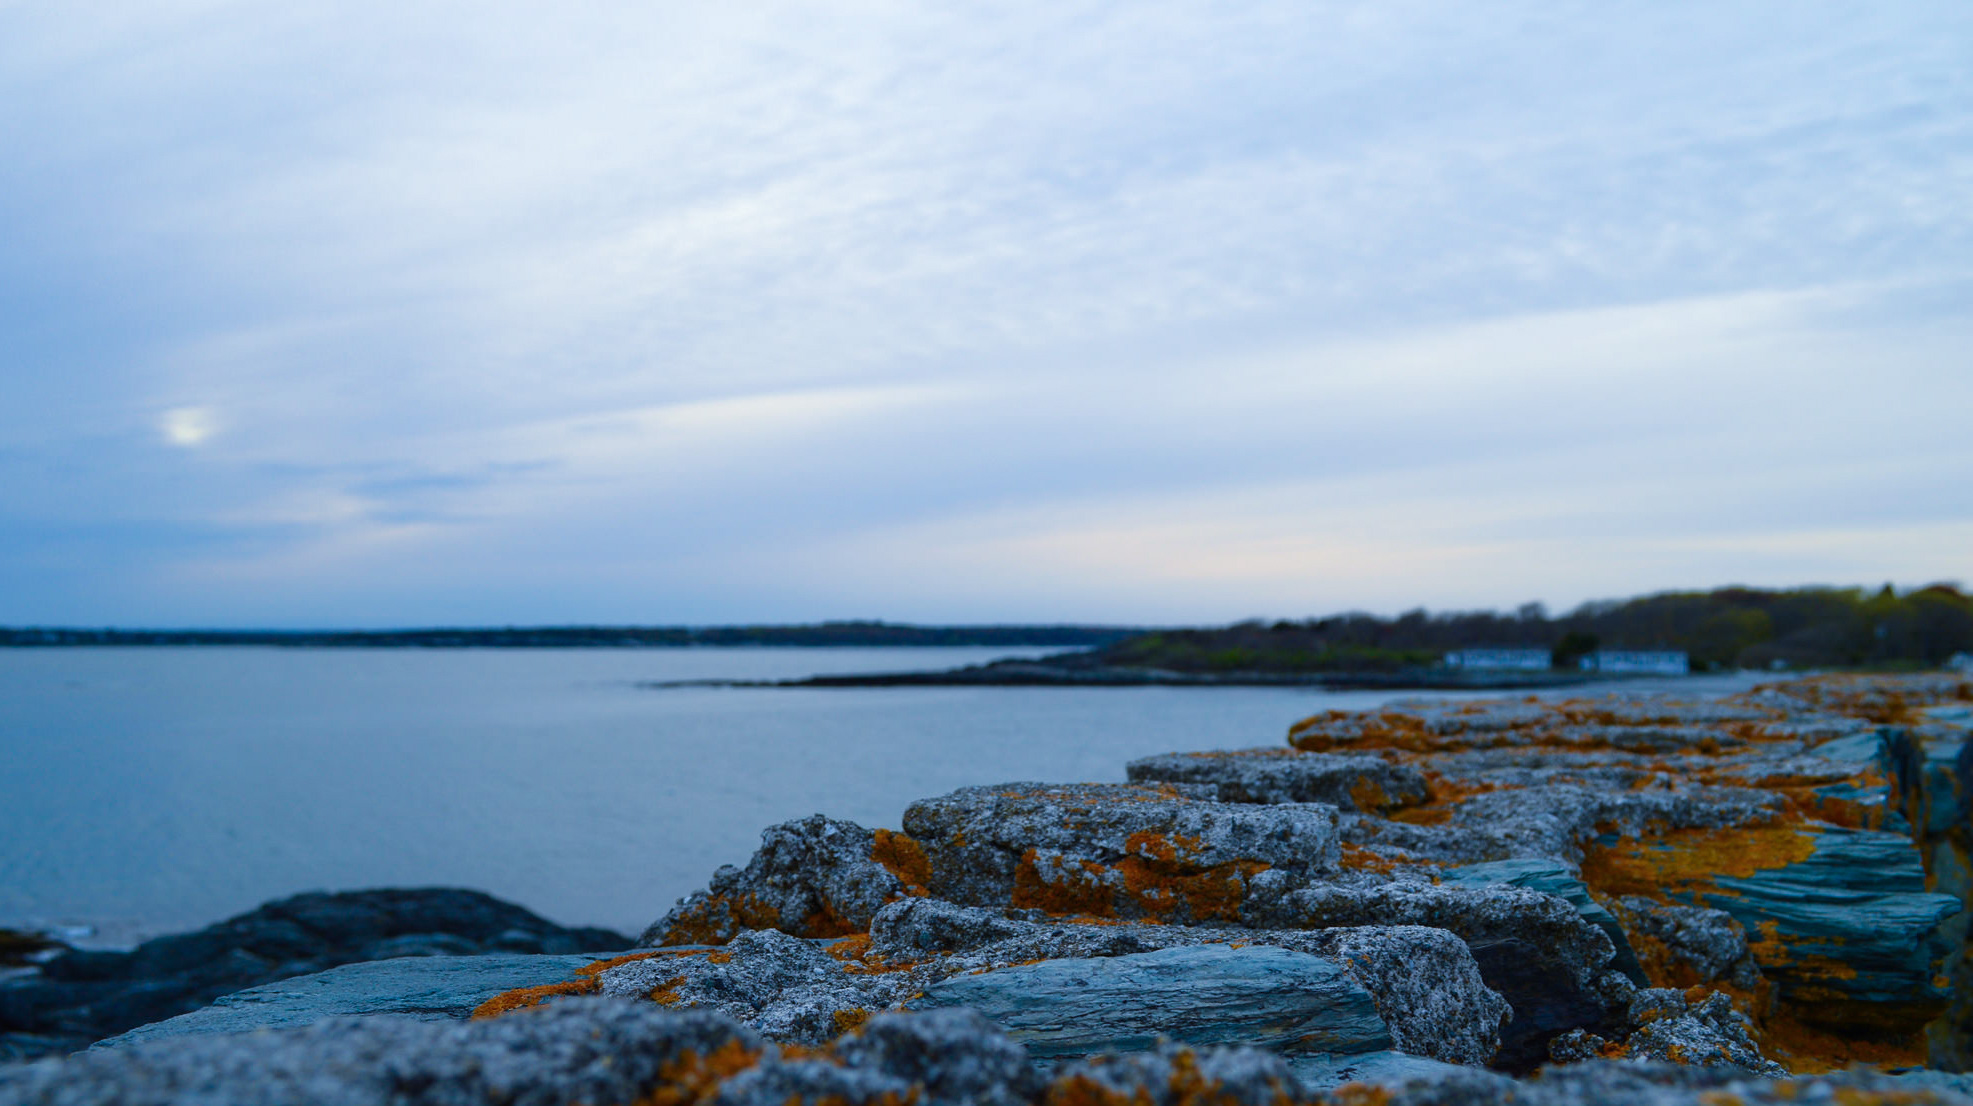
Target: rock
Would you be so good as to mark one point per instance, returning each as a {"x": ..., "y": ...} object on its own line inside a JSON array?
[
  {"x": 952, "y": 1056},
  {"x": 816, "y": 877},
  {"x": 1554, "y": 968},
  {"x": 428, "y": 988},
  {"x": 576, "y": 1052},
  {"x": 1363, "y": 783},
  {"x": 1671, "y": 1026},
  {"x": 1206, "y": 995},
  {"x": 82, "y": 996},
  {"x": 1167, "y": 852},
  {"x": 788, "y": 988},
  {"x": 1692, "y": 944},
  {"x": 1169, "y": 1075},
  {"x": 1843, "y": 921},
  {"x": 1552, "y": 877}
]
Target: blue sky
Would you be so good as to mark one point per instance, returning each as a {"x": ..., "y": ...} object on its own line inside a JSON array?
[{"x": 372, "y": 314}]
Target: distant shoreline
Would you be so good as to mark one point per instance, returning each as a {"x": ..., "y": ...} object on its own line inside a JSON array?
[
  {"x": 1087, "y": 670},
  {"x": 823, "y": 634}
]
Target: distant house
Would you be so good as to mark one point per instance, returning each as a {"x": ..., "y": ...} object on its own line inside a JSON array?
[
  {"x": 1652, "y": 662},
  {"x": 1521, "y": 659}
]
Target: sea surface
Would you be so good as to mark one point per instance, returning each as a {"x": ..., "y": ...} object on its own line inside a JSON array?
[{"x": 151, "y": 790}]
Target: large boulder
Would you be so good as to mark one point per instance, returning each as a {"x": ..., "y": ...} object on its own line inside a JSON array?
[
  {"x": 815, "y": 877},
  {"x": 1166, "y": 852}
]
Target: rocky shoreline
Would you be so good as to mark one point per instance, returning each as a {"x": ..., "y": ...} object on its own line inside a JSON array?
[
  {"x": 1631, "y": 898},
  {"x": 1090, "y": 669}
]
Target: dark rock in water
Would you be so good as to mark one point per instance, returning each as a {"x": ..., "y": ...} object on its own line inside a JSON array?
[
  {"x": 418, "y": 988},
  {"x": 82, "y": 996},
  {"x": 1206, "y": 995}
]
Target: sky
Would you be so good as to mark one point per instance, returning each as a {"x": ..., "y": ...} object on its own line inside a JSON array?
[{"x": 385, "y": 314}]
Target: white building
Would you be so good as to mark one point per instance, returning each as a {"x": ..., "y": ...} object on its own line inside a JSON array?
[
  {"x": 1518, "y": 659},
  {"x": 1653, "y": 662}
]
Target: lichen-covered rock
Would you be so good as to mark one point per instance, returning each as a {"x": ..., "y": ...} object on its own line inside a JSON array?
[
  {"x": 1167, "y": 852},
  {"x": 1276, "y": 775},
  {"x": 575, "y": 1052},
  {"x": 1205, "y": 995},
  {"x": 1691, "y": 945},
  {"x": 787, "y": 988},
  {"x": 816, "y": 877},
  {"x": 1673, "y": 1026},
  {"x": 1634, "y": 1083},
  {"x": 1170, "y": 1075},
  {"x": 950, "y": 1056}
]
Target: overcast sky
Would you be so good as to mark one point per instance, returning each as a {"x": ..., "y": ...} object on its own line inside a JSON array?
[{"x": 359, "y": 313}]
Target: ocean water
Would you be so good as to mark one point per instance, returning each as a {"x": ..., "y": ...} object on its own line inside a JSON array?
[{"x": 145, "y": 791}]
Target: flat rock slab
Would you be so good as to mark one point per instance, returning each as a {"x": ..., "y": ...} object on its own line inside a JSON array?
[
  {"x": 420, "y": 988},
  {"x": 1205, "y": 995}
]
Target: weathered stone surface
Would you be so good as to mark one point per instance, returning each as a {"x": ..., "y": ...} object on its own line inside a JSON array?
[
  {"x": 83, "y": 996},
  {"x": 1166, "y": 851},
  {"x": 423, "y": 988},
  {"x": 1169, "y": 1075},
  {"x": 1692, "y": 944},
  {"x": 576, "y": 1052},
  {"x": 1554, "y": 967},
  {"x": 816, "y": 877},
  {"x": 1207, "y": 995},
  {"x": 1633, "y": 1083},
  {"x": 1277, "y": 775},
  {"x": 1668, "y": 1025},
  {"x": 1552, "y": 877},
  {"x": 1423, "y": 981}
]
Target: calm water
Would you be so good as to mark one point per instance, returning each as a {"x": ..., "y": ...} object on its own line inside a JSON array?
[{"x": 149, "y": 790}]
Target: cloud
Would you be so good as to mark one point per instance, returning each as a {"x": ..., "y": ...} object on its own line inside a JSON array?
[{"x": 549, "y": 301}]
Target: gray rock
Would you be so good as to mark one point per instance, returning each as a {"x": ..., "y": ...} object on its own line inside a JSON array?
[
  {"x": 815, "y": 877},
  {"x": 1165, "y": 851},
  {"x": 1424, "y": 980},
  {"x": 1552, "y": 877},
  {"x": 1170, "y": 1075},
  {"x": 1668, "y": 1027},
  {"x": 1276, "y": 775},
  {"x": 1206, "y": 995},
  {"x": 953, "y": 1056},
  {"x": 1709, "y": 943},
  {"x": 787, "y": 988},
  {"x": 431, "y": 988},
  {"x": 590, "y": 1051},
  {"x": 1555, "y": 968}
]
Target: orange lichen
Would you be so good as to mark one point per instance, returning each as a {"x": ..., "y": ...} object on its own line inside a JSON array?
[
  {"x": 1443, "y": 796},
  {"x": 1064, "y": 889},
  {"x": 1187, "y": 1086},
  {"x": 850, "y": 1020},
  {"x": 691, "y": 1079},
  {"x": 1358, "y": 858},
  {"x": 506, "y": 1002},
  {"x": 1690, "y": 859},
  {"x": 666, "y": 993},
  {"x": 1370, "y": 796},
  {"x": 712, "y": 921},
  {"x": 904, "y": 858},
  {"x": 1213, "y": 893},
  {"x": 1359, "y": 1094}
]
